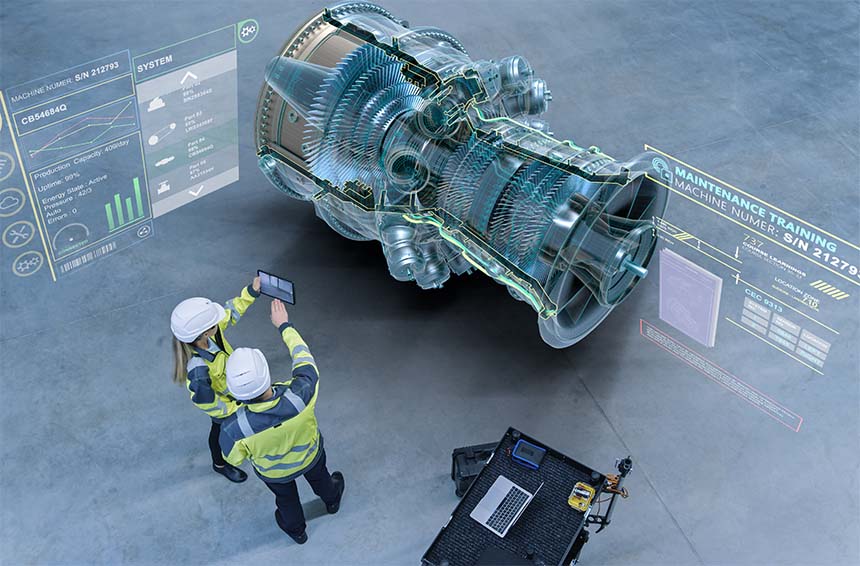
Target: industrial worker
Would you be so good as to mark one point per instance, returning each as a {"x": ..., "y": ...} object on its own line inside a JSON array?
[
  {"x": 276, "y": 428},
  {"x": 200, "y": 352}
]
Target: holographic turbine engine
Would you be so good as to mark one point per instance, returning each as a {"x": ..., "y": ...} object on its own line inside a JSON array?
[{"x": 396, "y": 135}]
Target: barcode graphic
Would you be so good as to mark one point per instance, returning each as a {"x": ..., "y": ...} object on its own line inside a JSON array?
[{"x": 87, "y": 257}]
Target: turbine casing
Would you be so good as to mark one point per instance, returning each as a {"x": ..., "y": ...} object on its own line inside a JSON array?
[{"x": 396, "y": 135}]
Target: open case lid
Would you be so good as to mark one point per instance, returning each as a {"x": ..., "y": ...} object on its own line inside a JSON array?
[{"x": 549, "y": 525}]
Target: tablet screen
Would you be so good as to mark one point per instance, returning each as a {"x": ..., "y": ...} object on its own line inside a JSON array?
[{"x": 276, "y": 287}]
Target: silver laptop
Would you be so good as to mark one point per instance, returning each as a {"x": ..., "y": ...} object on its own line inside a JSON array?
[{"x": 503, "y": 504}]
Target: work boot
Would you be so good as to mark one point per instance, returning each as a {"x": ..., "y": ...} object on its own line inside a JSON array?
[
  {"x": 301, "y": 538},
  {"x": 337, "y": 479},
  {"x": 232, "y": 473}
]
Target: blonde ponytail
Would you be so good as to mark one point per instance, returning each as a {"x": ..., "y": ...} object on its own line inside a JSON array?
[{"x": 182, "y": 352}]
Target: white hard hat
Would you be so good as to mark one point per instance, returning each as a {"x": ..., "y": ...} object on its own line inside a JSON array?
[
  {"x": 192, "y": 317},
  {"x": 247, "y": 374}
]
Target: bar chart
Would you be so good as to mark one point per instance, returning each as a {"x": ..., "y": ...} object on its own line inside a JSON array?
[
  {"x": 95, "y": 203},
  {"x": 134, "y": 210}
]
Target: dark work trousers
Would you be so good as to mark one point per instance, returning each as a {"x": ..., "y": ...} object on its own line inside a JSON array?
[
  {"x": 287, "y": 495},
  {"x": 214, "y": 445}
]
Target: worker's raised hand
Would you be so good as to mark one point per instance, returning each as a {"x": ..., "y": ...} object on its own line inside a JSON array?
[
  {"x": 255, "y": 284},
  {"x": 279, "y": 313}
]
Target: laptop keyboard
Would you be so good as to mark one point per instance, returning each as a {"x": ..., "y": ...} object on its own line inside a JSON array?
[{"x": 507, "y": 510}]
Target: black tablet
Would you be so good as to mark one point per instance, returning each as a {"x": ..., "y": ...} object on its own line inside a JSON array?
[{"x": 277, "y": 287}]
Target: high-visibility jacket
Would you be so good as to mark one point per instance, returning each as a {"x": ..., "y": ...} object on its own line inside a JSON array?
[
  {"x": 207, "y": 376},
  {"x": 280, "y": 435}
]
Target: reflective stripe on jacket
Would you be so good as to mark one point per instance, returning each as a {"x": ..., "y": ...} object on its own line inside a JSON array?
[
  {"x": 280, "y": 435},
  {"x": 207, "y": 377}
]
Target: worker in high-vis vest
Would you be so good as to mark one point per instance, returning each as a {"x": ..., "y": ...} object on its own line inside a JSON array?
[
  {"x": 200, "y": 354},
  {"x": 276, "y": 428}
]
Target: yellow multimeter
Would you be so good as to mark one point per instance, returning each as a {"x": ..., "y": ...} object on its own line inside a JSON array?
[{"x": 580, "y": 497}]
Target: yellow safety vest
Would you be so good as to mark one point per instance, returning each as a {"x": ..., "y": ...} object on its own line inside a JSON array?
[
  {"x": 280, "y": 435},
  {"x": 206, "y": 380}
]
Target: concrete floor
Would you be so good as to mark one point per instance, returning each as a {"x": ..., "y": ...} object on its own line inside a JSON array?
[{"x": 105, "y": 461}]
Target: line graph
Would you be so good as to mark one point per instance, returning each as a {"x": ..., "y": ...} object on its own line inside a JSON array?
[{"x": 101, "y": 125}]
